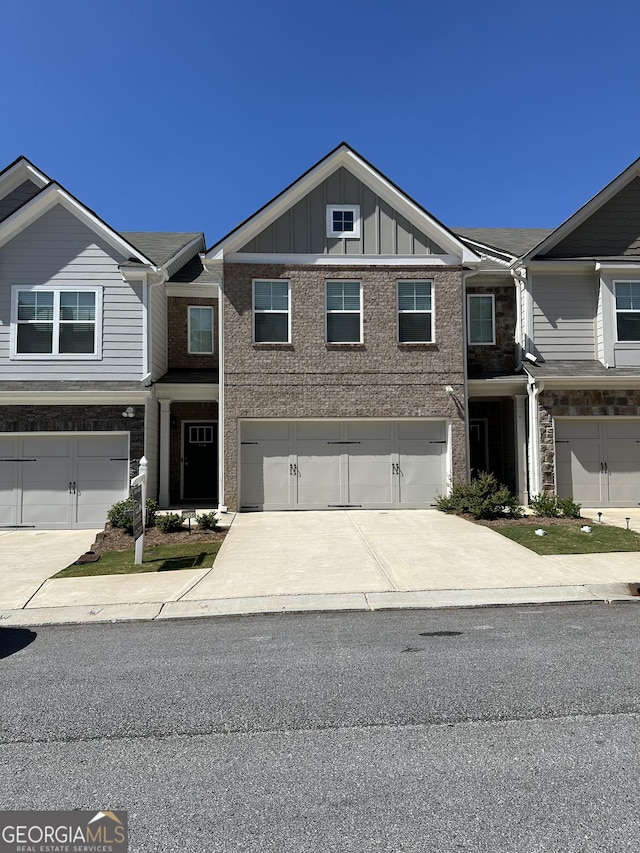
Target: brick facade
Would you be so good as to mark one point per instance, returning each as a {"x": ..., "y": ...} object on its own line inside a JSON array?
[
  {"x": 589, "y": 404},
  {"x": 501, "y": 357},
  {"x": 308, "y": 378},
  {"x": 78, "y": 419},
  {"x": 178, "y": 334}
]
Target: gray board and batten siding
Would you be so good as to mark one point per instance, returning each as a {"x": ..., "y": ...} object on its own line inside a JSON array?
[
  {"x": 302, "y": 229},
  {"x": 60, "y": 249},
  {"x": 17, "y": 197},
  {"x": 564, "y": 311},
  {"x": 612, "y": 231}
]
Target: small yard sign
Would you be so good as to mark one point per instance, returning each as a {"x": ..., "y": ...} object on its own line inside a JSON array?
[{"x": 189, "y": 513}]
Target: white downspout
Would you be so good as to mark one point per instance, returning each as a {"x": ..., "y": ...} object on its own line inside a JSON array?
[{"x": 535, "y": 461}]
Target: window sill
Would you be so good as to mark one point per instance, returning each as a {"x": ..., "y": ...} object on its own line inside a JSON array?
[
  {"x": 416, "y": 345},
  {"x": 273, "y": 345},
  {"x": 344, "y": 346}
]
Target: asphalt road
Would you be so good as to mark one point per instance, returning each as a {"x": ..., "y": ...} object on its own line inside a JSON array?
[{"x": 505, "y": 729}]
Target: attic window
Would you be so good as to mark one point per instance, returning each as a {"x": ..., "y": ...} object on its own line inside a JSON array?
[{"x": 343, "y": 220}]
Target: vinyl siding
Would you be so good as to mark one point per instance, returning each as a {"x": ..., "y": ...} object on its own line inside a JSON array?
[
  {"x": 564, "y": 309},
  {"x": 599, "y": 324},
  {"x": 158, "y": 326},
  {"x": 59, "y": 249},
  {"x": 612, "y": 231},
  {"x": 16, "y": 198},
  {"x": 302, "y": 229}
]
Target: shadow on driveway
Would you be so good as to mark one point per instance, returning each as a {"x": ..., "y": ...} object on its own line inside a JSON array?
[{"x": 13, "y": 640}]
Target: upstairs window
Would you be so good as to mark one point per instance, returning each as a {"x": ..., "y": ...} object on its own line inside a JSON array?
[
  {"x": 271, "y": 314},
  {"x": 415, "y": 312},
  {"x": 200, "y": 330},
  {"x": 627, "y": 310},
  {"x": 343, "y": 220},
  {"x": 481, "y": 318},
  {"x": 60, "y": 322},
  {"x": 344, "y": 312}
]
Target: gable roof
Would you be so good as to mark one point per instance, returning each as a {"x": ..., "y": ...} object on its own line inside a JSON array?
[
  {"x": 162, "y": 246},
  {"x": 513, "y": 241},
  {"x": 346, "y": 157},
  {"x": 591, "y": 208}
]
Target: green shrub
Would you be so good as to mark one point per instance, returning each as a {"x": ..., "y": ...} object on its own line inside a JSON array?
[
  {"x": 121, "y": 514},
  {"x": 169, "y": 523},
  {"x": 549, "y": 505},
  {"x": 482, "y": 498},
  {"x": 207, "y": 521}
]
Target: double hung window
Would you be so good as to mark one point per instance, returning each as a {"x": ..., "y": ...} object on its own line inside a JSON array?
[
  {"x": 343, "y": 312},
  {"x": 481, "y": 318},
  {"x": 271, "y": 312},
  {"x": 627, "y": 310},
  {"x": 415, "y": 312},
  {"x": 63, "y": 322}
]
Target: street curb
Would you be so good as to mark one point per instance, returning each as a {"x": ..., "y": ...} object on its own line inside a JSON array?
[{"x": 319, "y": 603}]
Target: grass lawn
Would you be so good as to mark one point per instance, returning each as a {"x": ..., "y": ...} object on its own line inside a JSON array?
[
  {"x": 162, "y": 558},
  {"x": 569, "y": 539}
]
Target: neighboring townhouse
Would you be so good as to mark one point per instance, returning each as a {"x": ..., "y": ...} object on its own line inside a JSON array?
[
  {"x": 83, "y": 339},
  {"x": 343, "y": 348},
  {"x": 579, "y": 289}
]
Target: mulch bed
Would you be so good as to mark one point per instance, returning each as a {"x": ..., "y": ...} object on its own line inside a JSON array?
[
  {"x": 531, "y": 520},
  {"x": 115, "y": 539}
]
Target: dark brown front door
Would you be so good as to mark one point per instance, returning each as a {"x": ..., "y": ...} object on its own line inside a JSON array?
[{"x": 200, "y": 461}]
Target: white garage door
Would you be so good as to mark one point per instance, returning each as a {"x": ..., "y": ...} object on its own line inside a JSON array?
[
  {"x": 598, "y": 461},
  {"x": 337, "y": 464},
  {"x": 61, "y": 482}
]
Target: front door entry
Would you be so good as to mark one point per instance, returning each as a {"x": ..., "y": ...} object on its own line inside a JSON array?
[{"x": 200, "y": 461}]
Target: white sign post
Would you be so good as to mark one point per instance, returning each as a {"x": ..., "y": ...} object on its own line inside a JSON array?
[{"x": 139, "y": 494}]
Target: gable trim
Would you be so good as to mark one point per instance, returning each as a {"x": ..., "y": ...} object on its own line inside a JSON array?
[
  {"x": 584, "y": 212},
  {"x": 345, "y": 260},
  {"x": 48, "y": 198},
  {"x": 17, "y": 173},
  {"x": 346, "y": 157}
]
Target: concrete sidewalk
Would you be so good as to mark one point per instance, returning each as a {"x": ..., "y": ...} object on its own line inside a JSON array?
[{"x": 345, "y": 560}]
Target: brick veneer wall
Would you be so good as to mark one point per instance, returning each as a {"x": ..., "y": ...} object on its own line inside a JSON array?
[
  {"x": 500, "y": 357},
  {"x": 178, "y": 334},
  {"x": 590, "y": 404},
  {"x": 309, "y": 378},
  {"x": 78, "y": 419}
]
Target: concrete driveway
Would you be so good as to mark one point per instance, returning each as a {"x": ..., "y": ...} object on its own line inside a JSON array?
[
  {"x": 302, "y": 553},
  {"x": 29, "y": 557}
]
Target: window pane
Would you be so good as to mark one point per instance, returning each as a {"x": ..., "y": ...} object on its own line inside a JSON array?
[
  {"x": 414, "y": 295},
  {"x": 77, "y": 338},
  {"x": 35, "y": 337},
  {"x": 271, "y": 296},
  {"x": 77, "y": 306},
  {"x": 262, "y": 295},
  {"x": 272, "y": 328},
  {"x": 35, "y": 306},
  {"x": 629, "y": 327},
  {"x": 480, "y": 320},
  {"x": 414, "y": 328},
  {"x": 343, "y": 328}
]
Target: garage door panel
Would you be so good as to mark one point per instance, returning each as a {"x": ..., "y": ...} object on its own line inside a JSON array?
[
  {"x": 265, "y": 475},
  {"x": 369, "y": 473},
  {"x": 421, "y": 473},
  {"x": 578, "y": 470},
  {"x": 422, "y": 430},
  {"x": 317, "y": 478}
]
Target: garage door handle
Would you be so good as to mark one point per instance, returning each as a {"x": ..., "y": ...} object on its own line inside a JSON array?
[
  {"x": 606, "y": 470},
  {"x": 72, "y": 488},
  {"x": 293, "y": 470}
]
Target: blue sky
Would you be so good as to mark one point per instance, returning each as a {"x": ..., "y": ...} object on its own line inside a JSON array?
[{"x": 167, "y": 116}]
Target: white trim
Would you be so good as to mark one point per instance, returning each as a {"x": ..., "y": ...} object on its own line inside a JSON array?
[
  {"x": 73, "y": 398},
  {"x": 431, "y": 312},
  {"x": 187, "y": 392},
  {"x": 146, "y": 331},
  {"x": 348, "y": 260},
  {"x": 184, "y": 251},
  {"x": 492, "y": 297},
  {"x": 346, "y": 158},
  {"x": 617, "y": 311},
  {"x": 200, "y": 352},
  {"x": 253, "y": 310},
  {"x": 19, "y": 173},
  {"x": 45, "y": 201},
  {"x": 192, "y": 291},
  {"x": 56, "y": 289},
  {"x": 327, "y": 312},
  {"x": 343, "y": 208}
]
